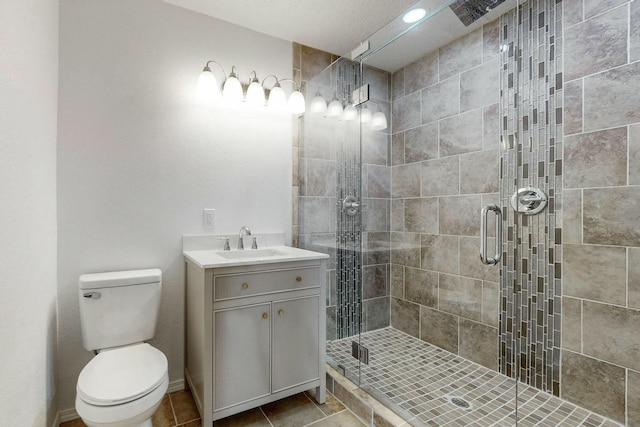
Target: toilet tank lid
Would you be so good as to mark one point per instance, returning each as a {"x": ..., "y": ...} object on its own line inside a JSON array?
[{"x": 119, "y": 278}]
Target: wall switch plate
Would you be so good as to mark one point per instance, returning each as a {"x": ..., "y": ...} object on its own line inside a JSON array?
[{"x": 209, "y": 218}]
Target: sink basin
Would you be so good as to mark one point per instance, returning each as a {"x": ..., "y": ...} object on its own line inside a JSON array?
[{"x": 251, "y": 253}]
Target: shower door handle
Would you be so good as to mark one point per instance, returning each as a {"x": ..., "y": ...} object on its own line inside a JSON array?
[{"x": 483, "y": 235}]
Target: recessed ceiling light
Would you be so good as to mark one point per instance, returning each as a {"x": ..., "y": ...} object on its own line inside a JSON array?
[{"x": 414, "y": 15}]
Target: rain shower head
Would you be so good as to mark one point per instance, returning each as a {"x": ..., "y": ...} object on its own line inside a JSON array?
[{"x": 469, "y": 11}]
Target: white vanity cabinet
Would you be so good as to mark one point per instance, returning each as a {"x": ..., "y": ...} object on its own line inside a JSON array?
[{"x": 255, "y": 333}]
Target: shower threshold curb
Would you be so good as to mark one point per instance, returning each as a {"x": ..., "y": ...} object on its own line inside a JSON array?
[{"x": 364, "y": 406}]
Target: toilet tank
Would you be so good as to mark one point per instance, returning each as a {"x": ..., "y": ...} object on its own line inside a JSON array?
[{"x": 119, "y": 307}]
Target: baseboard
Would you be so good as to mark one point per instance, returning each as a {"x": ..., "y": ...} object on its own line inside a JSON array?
[
  {"x": 56, "y": 420},
  {"x": 177, "y": 385},
  {"x": 71, "y": 414},
  {"x": 67, "y": 415}
]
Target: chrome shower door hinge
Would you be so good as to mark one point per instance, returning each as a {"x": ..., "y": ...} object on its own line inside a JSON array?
[
  {"x": 360, "y": 95},
  {"x": 360, "y": 352}
]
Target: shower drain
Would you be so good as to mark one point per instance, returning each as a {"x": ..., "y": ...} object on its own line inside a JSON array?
[{"x": 459, "y": 402}]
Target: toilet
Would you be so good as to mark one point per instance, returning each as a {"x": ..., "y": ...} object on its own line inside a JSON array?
[{"x": 123, "y": 385}]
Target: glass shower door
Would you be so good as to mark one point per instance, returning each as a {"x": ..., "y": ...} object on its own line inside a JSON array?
[{"x": 331, "y": 207}]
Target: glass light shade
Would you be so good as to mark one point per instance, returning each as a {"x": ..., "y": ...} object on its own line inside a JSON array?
[
  {"x": 378, "y": 121},
  {"x": 232, "y": 89},
  {"x": 349, "y": 113},
  {"x": 365, "y": 115},
  {"x": 318, "y": 105},
  {"x": 334, "y": 109},
  {"x": 296, "y": 103},
  {"x": 277, "y": 99},
  {"x": 255, "y": 94},
  {"x": 208, "y": 90}
]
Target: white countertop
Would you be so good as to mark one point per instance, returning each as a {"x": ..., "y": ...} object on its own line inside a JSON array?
[{"x": 213, "y": 258}]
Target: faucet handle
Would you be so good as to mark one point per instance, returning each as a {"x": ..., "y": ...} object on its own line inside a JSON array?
[
  {"x": 254, "y": 244},
  {"x": 226, "y": 243}
]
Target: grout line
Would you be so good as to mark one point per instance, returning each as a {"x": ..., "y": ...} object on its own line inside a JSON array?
[
  {"x": 173, "y": 412},
  {"x": 265, "y": 416}
]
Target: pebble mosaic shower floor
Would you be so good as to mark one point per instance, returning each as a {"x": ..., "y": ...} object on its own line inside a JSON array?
[{"x": 421, "y": 379}]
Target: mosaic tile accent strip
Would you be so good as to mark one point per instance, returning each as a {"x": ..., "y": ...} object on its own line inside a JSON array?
[
  {"x": 532, "y": 137},
  {"x": 417, "y": 379}
]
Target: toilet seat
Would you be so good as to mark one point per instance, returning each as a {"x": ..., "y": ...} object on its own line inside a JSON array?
[{"x": 121, "y": 375}]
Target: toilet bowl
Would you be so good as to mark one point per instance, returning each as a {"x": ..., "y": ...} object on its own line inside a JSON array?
[
  {"x": 122, "y": 387},
  {"x": 124, "y": 384}
]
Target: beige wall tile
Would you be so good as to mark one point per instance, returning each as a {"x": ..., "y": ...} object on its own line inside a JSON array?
[
  {"x": 572, "y": 324},
  {"x": 585, "y": 54},
  {"x": 573, "y": 107},
  {"x": 470, "y": 265},
  {"x": 406, "y": 112},
  {"x": 461, "y": 296},
  {"x": 596, "y": 159},
  {"x": 594, "y": 385},
  {"x": 611, "y": 216},
  {"x": 440, "y": 177},
  {"x": 491, "y": 303},
  {"x": 421, "y": 143},
  {"x": 464, "y": 53},
  {"x": 421, "y": 287},
  {"x": 634, "y": 277},
  {"x": 611, "y": 333},
  {"x": 596, "y": 7},
  {"x": 439, "y": 328},
  {"x": 421, "y": 73},
  {"x": 397, "y": 281},
  {"x": 633, "y": 402},
  {"x": 480, "y": 172},
  {"x": 595, "y": 272},
  {"x": 460, "y": 215},
  {"x": 405, "y": 316},
  {"x": 397, "y": 84},
  {"x": 313, "y": 62},
  {"x": 479, "y": 86},
  {"x": 491, "y": 40},
  {"x": 405, "y": 249},
  {"x": 634, "y": 155},
  {"x": 439, "y": 253},
  {"x": 478, "y": 342},
  {"x": 634, "y": 36},
  {"x": 441, "y": 100},
  {"x": 571, "y": 216},
  {"x": 461, "y": 133},
  {"x": 421, "y": 215},
  {"x": 611, "y": 88},
  {"x": 397, "y": 149},
  {"x": 491, "y": 127},
  {"x": 405, "y": 180}
]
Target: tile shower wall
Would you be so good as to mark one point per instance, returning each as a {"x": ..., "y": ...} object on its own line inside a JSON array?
[
  {"x": 445, "y": 167},
  {"x": 601, "y": 239},
  {"x": 315, "y": 184}
]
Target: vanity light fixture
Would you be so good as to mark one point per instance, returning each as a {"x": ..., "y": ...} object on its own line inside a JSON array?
[
  {"x": 349, "y": 113},
  {"x": 209, "y": 91},
  {"x": 231, "y": 88},
  {"x": 318, "y": 104},
  {"x": 255, "y": 92},
  {"x": 334, "y": 110}
]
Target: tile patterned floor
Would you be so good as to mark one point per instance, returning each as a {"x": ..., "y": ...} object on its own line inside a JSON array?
[
  {"x": 300, "y": 410},
  {"x": 419, "y": 378}
]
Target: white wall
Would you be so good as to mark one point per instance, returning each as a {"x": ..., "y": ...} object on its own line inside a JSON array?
[
  {"x": 28, "y": 103},
  {"x": 138, "y": 160}
]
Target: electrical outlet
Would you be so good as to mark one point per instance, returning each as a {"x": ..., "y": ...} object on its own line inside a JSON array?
[{"x": 209, "y": 217}]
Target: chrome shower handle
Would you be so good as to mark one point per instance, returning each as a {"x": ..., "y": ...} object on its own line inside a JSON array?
[{"x": 483, "y": 235}]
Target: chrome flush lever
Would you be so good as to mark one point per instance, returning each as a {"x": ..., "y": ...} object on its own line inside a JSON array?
[{"x": 483, "y": 235}]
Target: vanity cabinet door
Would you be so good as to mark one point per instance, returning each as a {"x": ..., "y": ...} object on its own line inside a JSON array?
[
  {"x": 242, "y": 354},
  {"x": 295, "y": 342}
]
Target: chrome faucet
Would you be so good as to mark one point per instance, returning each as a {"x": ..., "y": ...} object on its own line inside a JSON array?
[{"x": 244, "y": 230}]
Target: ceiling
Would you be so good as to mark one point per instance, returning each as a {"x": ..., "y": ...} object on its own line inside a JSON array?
[
  {"x": 339, "y": 26},
  {"x": 335, "y": 26}
]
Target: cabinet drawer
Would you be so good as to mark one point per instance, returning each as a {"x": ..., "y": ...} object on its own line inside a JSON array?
[{"x": 264, "y": 282}]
